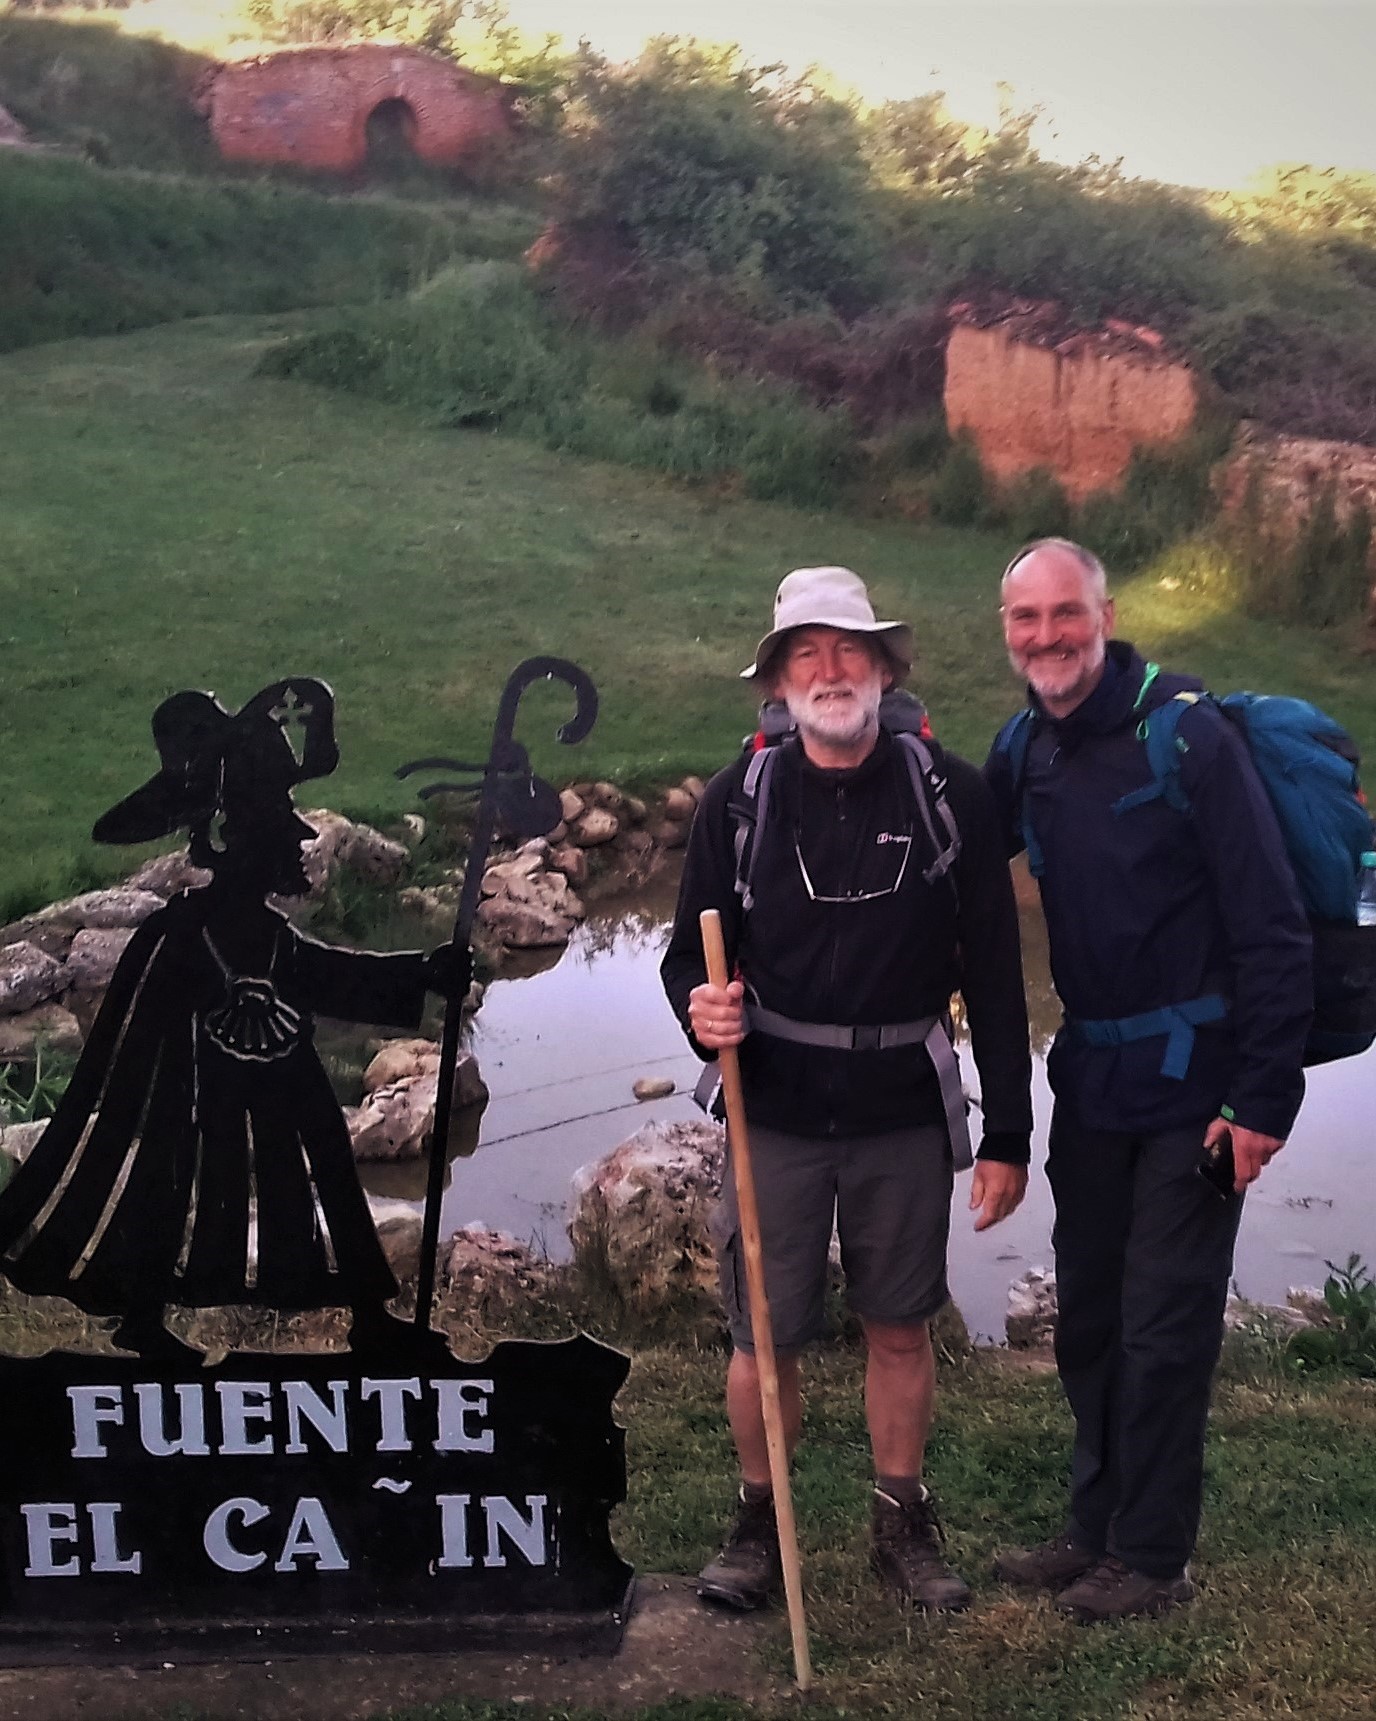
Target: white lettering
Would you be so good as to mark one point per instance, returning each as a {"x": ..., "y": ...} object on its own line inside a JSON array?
[
  {"x": 105, "y": 1537},
  {"x": 311, "y": 1537},
  {"x": 216, "y": 1538},
  {"x": 454, "y": 1530},
  {"x": 392, "y": 1396},
  {"x": 458, "y": 1401},
  {"x": 153, "y": 1422},
  {"x": 242, "y": 1402},
  {"x": 46, "y": 1525},
  {"x": 527, "y": 1536},
  {"x": 328, "y": 1421},
  {"x": 92, "y": 1405}
]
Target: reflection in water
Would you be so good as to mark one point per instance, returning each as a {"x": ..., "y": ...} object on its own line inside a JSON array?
[{"x": 560, "y": 1042}]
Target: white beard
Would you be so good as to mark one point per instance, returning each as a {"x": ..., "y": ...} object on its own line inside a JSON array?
[{"x": 838, "y": 721}]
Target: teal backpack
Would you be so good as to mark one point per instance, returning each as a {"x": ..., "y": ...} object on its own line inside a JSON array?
[{"x": 1308, "y": 765}]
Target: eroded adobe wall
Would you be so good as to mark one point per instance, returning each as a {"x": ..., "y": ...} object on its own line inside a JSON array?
[
  {"x": 309, "y": 107},
  {"x": 1080, "y": 407},
  {"x": 1282, "y": 477}
]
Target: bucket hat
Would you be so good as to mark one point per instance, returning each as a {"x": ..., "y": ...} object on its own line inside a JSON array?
[{"x": 831, "y": 597}]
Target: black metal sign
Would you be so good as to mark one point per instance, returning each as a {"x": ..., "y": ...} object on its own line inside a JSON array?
[
  {"x": 290, "y": 1504},
  {"x": 199, "y": 1158}
]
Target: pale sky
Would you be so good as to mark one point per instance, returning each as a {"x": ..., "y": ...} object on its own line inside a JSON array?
[{"x": 1199, "y": 94}]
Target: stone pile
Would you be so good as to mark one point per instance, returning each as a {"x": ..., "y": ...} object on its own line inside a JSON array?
[
  {"x": 529, "y": 897},
  {"x": 676, "y": 814},
  {"x": 489, "y": 1270},
  {"x": 640, "y": 1221},
  {"x": 56, "y": 964},
  {"x": 1031, "y": 1319},
  {"x": 400, "y": 1088},
  {"x": 527, "y": 902}
]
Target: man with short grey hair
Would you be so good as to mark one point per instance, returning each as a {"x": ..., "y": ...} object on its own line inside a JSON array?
[
  {"x": 860, "y": 875},
  {"x": 1181, "y": 954}
]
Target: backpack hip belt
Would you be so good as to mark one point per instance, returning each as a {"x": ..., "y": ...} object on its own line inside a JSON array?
[
  {"x": 1176, "y": 1021},
  {"x": 930, "y": 1032}
]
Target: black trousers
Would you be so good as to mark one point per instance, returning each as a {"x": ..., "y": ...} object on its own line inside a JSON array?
[{"x": 1144, "y": 1255}]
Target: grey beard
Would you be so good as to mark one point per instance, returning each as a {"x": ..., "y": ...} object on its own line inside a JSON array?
[{"x": 862, "y": 717}]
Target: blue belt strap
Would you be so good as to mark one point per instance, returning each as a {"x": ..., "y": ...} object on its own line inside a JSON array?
[{"x": 1176, "y": 1021}]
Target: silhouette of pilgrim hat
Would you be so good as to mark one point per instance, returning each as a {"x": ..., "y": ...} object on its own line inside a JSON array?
[{"x": 235, "y": 763}]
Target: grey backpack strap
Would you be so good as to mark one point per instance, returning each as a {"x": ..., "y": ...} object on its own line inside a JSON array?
[
  {"x": 929, "y": 786},
  {"x": 749, "y": 814}
]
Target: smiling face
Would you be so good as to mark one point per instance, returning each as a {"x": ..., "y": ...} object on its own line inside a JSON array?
[
  {"x": 832, "y": 682},
  {"x": 1056, "y": 622}
]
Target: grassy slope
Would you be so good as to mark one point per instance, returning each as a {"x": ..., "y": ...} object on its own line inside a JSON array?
[
  {"x": 88, "y": 251},
  {"x": 173, "y": 521}
]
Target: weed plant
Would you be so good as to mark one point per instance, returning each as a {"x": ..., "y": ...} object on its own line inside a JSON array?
[
  {"x": 30, "y": 1092},
  {"x": 1348, "y": 1342}
]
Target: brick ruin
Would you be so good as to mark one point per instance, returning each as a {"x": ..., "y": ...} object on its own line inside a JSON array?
[
  {"x": 1078, "y": 404},
  {"x": 312, "y": 107}
]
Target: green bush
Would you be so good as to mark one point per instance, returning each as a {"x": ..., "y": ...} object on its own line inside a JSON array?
[
  {"x": 693, "y": 158},
  {"x": 479, "y": 348},
  {"x": 121, "y": 100},
  {"x": 957, "y": 494},
  {"x": 1035, "y": 506}
]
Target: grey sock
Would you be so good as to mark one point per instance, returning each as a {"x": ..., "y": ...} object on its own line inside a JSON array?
[
  {"x": 906, "y": 1490},
  {"x": 756, "y": 1493}
]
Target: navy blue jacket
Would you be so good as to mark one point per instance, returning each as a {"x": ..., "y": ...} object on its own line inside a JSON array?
[{"x": 1153, "y": 907}]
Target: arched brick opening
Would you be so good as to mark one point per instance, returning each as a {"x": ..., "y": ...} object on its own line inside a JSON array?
[{"x": 390, "y": 132}]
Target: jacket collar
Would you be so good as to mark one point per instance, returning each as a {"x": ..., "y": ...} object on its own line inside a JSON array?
[{"x": 1113, "y": 703}]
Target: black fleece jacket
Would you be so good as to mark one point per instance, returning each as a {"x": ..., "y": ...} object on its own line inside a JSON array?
[
  {"x": 895, "y": 958},
  {"x": 1151, "y": 907}
]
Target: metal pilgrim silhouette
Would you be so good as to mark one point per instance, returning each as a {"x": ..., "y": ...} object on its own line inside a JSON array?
[{"x": 274, "y": 1502}]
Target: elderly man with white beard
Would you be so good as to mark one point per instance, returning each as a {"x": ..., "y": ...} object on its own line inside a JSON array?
[{"x": 861, "y": 881}]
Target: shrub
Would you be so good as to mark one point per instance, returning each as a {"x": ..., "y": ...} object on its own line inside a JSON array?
[
  {"x": 1035, "y": 506},
  {"x": 1166, "y": 496},
  {"x": 957, "y": 494},
  {"x": 695, "y": 158},
  {"x": 480, "y": 348}
]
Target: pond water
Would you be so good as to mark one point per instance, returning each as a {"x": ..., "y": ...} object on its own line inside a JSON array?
[{"x": 560, "y": 1048}]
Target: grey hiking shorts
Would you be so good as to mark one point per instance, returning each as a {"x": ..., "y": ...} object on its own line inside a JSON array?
[{"x": 890, "y": 1198}]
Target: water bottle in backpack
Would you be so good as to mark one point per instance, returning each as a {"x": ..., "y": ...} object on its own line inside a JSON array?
[{"x": 1366, "y": 890}]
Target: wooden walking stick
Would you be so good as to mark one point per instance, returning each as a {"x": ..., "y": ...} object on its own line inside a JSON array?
[{"x": 761, "y": 1327}]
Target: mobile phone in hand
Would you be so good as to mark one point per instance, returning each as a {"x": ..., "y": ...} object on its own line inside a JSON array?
[{"x": 1217, "y": 1169}]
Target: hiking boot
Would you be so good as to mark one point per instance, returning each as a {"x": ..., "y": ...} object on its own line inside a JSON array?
[
  {"x": 1051, "y": 1565},
  {"x": 748, "y": 1569},
  {"x": 1112, "y": 1590},
  {"x": 906, "y": 1553}
]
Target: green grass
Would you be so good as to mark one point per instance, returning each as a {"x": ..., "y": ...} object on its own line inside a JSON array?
[
  {"x": 89, "y": 251},
  {"x": 1286, "y": 1624},
  {"x": 172, "y": 519}
]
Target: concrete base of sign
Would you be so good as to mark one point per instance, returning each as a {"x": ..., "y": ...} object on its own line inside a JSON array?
[
  {"x": 160, "y": 1642},
  {"x": 673, "y": 1646}
]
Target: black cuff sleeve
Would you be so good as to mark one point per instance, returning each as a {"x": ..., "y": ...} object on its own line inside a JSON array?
[{"x": 1010, "y": 1146}]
